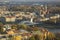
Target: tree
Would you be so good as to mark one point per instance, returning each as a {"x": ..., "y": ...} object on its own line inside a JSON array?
[
  {"x": 37, "y": 37},
  {"x": 14, "y": 26},
  {"x": 23, "y": 26},
  {"x": 32, "y": 38},
  {"x": 51, "y": 36},
  {"x": 1, "y": 27}
]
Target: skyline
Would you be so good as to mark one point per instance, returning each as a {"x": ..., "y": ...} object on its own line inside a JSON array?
[{"x": 30, "y": 0}]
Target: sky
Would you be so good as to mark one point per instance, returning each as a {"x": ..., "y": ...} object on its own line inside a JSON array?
[{"x": 28, "y": 0}]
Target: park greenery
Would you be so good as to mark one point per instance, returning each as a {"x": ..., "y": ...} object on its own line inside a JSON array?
[{"x": 38, "y": 34}]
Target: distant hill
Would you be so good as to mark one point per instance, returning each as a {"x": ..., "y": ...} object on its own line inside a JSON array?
[{"x": 29, "y": 3}]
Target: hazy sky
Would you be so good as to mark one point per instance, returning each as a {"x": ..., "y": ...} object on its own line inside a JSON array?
[{"x": 29, "y": 0}]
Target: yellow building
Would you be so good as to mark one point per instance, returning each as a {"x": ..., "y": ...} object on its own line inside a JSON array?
[
  {"x": 7, "y": 19},
  {"x": 18, "y": 37}
]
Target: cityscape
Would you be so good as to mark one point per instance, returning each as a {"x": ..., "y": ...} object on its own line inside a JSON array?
[{"x": 29, "y": 20}]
